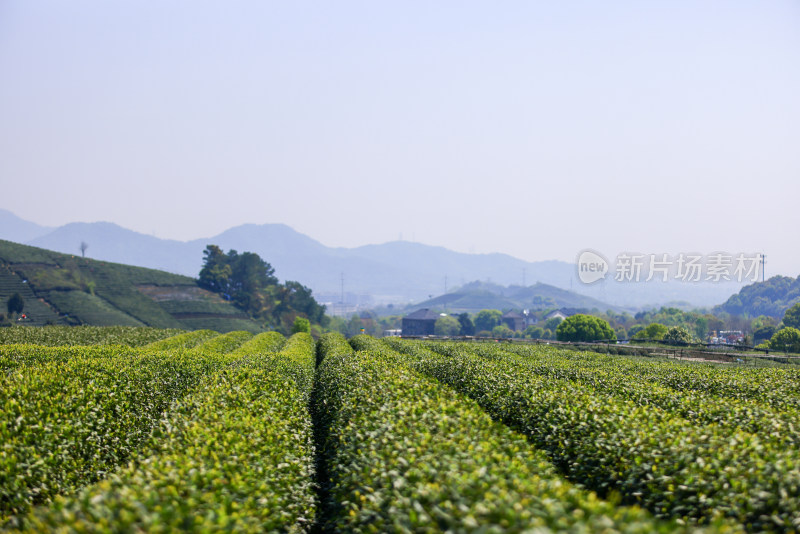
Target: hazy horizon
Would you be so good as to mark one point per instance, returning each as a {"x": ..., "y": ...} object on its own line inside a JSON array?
[{"x": 535, "y": 130}]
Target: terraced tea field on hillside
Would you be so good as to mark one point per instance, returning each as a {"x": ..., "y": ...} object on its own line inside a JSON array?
[{"x": 140, "y": 430}]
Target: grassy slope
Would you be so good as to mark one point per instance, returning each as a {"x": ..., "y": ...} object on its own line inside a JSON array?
[{"x": 62, "y": 288}]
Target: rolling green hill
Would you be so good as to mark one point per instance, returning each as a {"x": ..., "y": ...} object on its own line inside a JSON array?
[
  {"x": 66, "y": 289},
  {"x": 477, "y": 296},
  {"x": 771, "y": 297}
]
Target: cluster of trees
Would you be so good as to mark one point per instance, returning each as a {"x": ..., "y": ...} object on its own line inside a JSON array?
[
  {"x": 578, "y": 327},
  {"x": 786, "y": 335},
  {"x": 250, "y": 284},
  {"x": 485, "y": 323},
  {"x": 624, "y": 325},
  {"x": 697, "y": 323},
  {"x": 763, "y": 331},
  {"x": 489, "y": 323},
  {"x": 459, "y": 325},
  {"x": 782, "y": 337},
  {"x": 675, "y": 335},
  {"x": 671, "y": 325},
  {"x": 665, "y": 324}
]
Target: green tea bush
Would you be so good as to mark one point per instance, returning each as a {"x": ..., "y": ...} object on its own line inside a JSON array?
[
  {"x": 186, "y": 340},
  {"x": 224, "y": 343},
  {"x": 69, "y": 421}
]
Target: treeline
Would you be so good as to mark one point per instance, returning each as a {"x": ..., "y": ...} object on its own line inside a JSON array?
[
  {"x": 669, "y": 325},
  {"x": 250, "y": 284},
  {"x": 687, "y": 326}
]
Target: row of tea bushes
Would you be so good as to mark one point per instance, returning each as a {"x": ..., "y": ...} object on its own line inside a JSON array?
[
  {"x": 236, "y": 455},
  {"x": 408, "y": 455},
  {"x": 674, "y": 468}
]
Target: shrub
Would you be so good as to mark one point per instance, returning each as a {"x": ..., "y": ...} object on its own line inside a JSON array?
[
  {"x": 677, "y": 335},
  {"x": 787, "y": 339},
  {"x": 447, "y": 326},
  {"x": 582, "y": 327},
  {"x": 15, "y": 303},
  {"x": 301, "y": 324},
  {"x": 502, "y": 331}
]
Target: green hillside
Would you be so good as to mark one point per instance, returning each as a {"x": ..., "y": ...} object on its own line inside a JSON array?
[
  {"x": 64, "y": 289},
  {"x": 476, "y": 296},
  {"x": 771, "y": 298}
]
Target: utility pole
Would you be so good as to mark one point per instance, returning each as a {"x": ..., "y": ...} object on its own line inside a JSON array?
[
  {"x": 445, "y": 292},
  {"x": 763, "y": 262}
]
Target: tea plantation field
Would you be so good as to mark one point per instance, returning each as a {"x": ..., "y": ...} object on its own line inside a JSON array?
[{"x": 140, "y": 430}]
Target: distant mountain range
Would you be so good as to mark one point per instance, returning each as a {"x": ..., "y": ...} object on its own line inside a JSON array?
[
  {"x": 12, "y": 228},
  {"x": 400, "y": 272}
]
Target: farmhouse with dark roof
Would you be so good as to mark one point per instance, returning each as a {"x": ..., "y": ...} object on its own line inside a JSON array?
[
  {"x": 420, "y": 323},
  {"x": 513, "y": 320}
]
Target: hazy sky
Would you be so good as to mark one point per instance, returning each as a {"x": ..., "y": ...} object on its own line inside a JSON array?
[{"x": 532, "y": 128}]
